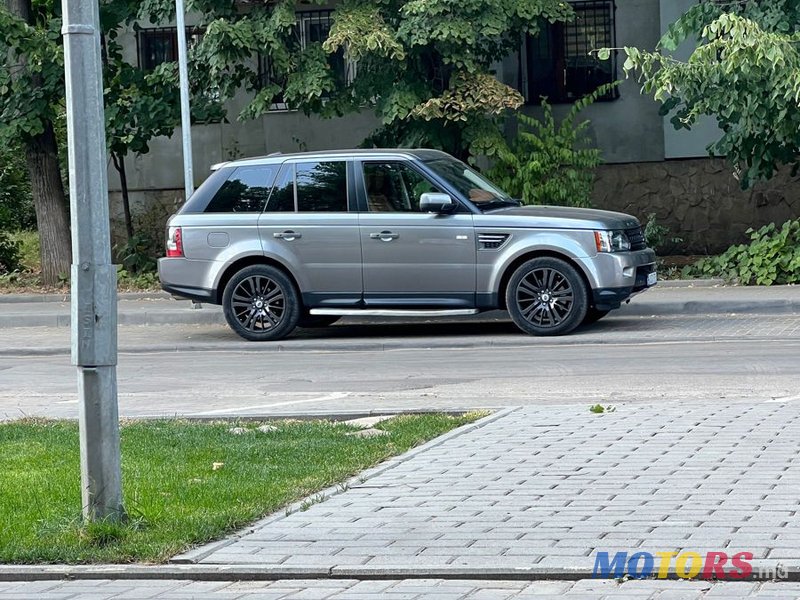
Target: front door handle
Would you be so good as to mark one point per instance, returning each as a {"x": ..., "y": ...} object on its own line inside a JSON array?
[
  {"x": 288, "y": 235},
  {"x": 384, "y": 236}
]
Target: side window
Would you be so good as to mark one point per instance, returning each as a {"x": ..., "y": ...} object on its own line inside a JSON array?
[
  {"x": 394, "y": 187},
  {"x": 246, "y": 190},
  {"x": 282, "y": 198},
  {"x": 322, "y": 187}
]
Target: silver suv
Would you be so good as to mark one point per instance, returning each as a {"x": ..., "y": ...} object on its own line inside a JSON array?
[{"x": 293, "y": 240}]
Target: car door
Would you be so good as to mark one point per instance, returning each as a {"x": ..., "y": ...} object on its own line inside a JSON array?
[
  {"x": 411, "y": 258},
  {"x": 308, "y": 225}
]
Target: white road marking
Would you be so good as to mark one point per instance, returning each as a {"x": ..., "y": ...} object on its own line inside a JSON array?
[
  {"x": 236, "y": 409},
  {"x": 66, "y": 402}
]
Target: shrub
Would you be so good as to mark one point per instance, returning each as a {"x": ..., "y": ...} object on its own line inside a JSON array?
[
  {"x": 16, "y": 201},
  {"x": 772, "y": 257},
  {"x": 9, "y": 254},
  {"x": 139, "y": 254},
  {"x": 658, "y": 236},
  {"x": 550, "y": 163}
]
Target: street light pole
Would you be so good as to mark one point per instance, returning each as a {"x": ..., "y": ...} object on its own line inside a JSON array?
[
  {"x": 94, "y": 277},
  {"x": 186, "y": 120}
]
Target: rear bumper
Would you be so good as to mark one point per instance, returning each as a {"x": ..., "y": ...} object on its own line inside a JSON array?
[
  {"x": 185, "y": 278},
  {"x": 196, "y": 294}
]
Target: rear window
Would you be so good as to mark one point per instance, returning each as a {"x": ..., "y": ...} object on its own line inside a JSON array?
[{"x": 246, "y": 190}]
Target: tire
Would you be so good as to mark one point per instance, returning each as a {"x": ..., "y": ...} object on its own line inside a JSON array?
[
  {"x": 547, "y": 296},
  {"x": 308, "y": 321},
  {"x": 593, "y": 315},
  {"x": 261, "y": 304}
]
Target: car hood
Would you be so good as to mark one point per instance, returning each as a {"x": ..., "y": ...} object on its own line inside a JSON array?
[{"x": 556, "y": 217}]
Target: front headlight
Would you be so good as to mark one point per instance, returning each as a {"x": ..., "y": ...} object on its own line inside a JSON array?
[{"x": 612, "y": 241}]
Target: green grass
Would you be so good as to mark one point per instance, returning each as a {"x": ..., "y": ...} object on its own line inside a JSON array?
[{"x": 173, "y": 495}]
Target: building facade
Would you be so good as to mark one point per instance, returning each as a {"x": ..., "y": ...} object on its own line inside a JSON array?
[{"x": 650, "y": 168}]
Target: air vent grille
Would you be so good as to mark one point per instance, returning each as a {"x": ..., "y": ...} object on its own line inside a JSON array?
[{"x": 492, "y": 241}]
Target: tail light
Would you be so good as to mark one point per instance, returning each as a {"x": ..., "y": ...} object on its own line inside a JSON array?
[{"x": 174, "y": 242}]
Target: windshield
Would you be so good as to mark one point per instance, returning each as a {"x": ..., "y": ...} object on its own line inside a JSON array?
[{"x": 481, "y": 192}]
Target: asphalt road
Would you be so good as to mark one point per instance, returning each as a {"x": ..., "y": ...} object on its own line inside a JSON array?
[{"x": 206, "y": 370}]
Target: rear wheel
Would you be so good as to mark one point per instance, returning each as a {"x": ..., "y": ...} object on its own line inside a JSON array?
[
  {"x": 547, "y": 296},
  {"x": 261, "y": 304},
  {"x": 593, "y": 315}
]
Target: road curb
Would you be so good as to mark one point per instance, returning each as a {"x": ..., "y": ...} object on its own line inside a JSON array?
[
  {"x": 194, "y": 572},
  {"x": 206, "y": 316},
  {"x": 20, "y": 298}
]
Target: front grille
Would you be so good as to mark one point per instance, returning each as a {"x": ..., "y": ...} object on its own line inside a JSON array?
[
  {"x": 636, "y": 238},
  {"x": 491, "y": 241}
]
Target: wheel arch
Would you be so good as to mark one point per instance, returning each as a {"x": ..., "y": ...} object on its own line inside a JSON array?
[
  {"x": 249, "y": 261},
  {"x": 523, "y": 258}
]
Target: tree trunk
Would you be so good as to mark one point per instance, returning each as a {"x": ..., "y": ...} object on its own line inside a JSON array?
[
  {"x": 50, "y": 203},
  {"x": 119, "y": 165},
  {"x": 52, "y": 219}
]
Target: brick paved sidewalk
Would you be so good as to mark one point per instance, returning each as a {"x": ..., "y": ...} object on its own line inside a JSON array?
[
  {"x": 532, "y": 491},
  {"x": 409, "y": 589},
  {"x": 546, "y": 487}
]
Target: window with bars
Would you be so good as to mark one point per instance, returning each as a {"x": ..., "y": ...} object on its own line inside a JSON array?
[
  {"x": 312, "y": 27},
  {"x": 557, "y": 62},
  {"x": 157, "y": 45}
]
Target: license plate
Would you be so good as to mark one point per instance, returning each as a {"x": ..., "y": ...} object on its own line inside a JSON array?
[{"x": 652, "y": 278}]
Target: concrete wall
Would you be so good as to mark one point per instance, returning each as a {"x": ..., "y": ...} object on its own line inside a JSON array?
[{"x": 680, "y": 143}]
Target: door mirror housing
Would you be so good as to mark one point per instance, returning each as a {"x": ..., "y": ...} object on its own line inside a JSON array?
[{"x": 436, "y": 202}]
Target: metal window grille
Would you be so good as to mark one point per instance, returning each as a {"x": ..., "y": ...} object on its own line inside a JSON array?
[
  {"x": 559, "y": 62},
  {"x": 157, "y": 45},
  {"x": 312, "y": 26}
]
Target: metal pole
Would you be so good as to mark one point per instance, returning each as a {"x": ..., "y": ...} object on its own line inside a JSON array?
[
  {"x": 94, "y": 278},
  {"x": 186, "y": 121}
]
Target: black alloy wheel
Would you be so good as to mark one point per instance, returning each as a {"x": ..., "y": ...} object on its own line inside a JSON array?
[
  {"x": 261, "y": 304},
  {"x": 547, "y": 296}
]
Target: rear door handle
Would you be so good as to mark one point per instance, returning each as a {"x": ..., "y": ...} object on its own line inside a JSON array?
[
  {"x": 384, "y": 236},
  {"x": 288, "y": 235}
]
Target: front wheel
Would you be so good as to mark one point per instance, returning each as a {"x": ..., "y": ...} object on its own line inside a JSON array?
[
  {"x": 261, "y": 304},
  {"x": 547, "y": 296}
]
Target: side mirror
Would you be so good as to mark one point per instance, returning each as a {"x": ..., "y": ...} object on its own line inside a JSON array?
[{"x": 435, "y": 202}]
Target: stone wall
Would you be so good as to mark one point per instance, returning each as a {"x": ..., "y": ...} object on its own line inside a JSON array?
[
  {"x": 149, "y": 210},
  {"x": 699, "y": 200}
]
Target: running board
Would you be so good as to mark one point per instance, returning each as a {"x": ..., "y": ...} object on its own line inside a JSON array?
[{"x": 387, "y": 312}]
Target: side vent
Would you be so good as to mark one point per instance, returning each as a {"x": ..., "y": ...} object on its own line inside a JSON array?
[{"x": 491, "y": 241}]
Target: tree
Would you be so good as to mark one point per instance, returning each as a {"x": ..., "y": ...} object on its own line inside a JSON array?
[
  {"x": 745, "y": 72},
  {"x": 423, "y": 66},
  {"x": 31, "y": 99},
  {"x": 139, "y": 107}
]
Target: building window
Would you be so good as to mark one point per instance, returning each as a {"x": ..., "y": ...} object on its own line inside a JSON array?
[
  {"x": 158, "y": 45},
  {"x": 557, "y": 63},
  {"x": 312, "y": 27}
]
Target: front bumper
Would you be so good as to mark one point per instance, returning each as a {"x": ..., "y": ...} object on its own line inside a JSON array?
[{"x": 611, "y": 298}]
